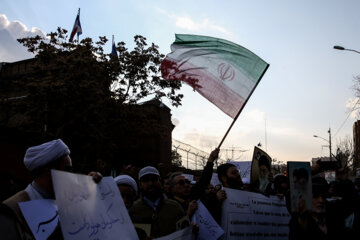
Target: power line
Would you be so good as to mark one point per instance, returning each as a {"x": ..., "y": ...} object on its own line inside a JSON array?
[{"x": 346, "y": 118}]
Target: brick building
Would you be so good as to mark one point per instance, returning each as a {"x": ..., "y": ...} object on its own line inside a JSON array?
[{"x": 148, "y": 146}]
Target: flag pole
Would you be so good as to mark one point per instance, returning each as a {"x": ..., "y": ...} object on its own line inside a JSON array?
[{"x": 242, "y": 107}]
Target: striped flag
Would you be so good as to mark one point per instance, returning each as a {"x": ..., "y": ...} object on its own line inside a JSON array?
[
  {"x": 77, "y": 28},
  {"x": 221, "y": 71}
]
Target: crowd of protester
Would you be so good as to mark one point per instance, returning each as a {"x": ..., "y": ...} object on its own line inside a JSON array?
[{"x": 167, "y": 203}]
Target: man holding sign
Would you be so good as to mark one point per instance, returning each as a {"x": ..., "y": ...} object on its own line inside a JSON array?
[{"x": 39, "y": 160}]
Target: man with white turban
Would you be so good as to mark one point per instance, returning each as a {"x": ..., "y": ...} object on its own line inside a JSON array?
[
  {"x": 39, "y": 160},
  {"x": 128, "y": 189}
]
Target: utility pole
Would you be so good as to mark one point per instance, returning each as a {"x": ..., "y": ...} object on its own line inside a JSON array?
[
  {"x": 187, "y": 158},
  {"x": 196, "y": 160},
  {"x": 330, "y": 143},
  {"x": 232, "y": 153}
]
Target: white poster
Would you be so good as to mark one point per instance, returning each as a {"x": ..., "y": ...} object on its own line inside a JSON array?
[
  {"x": 209, "y": 229},
  {"x": 41, "y": 216},
  {"x": 247, "y": 215},
  {"x": 91, "y": 211},
  {"x": 245, "y": 170}
]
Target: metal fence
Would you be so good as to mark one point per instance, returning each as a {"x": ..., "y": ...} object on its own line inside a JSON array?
[{"x": 195, "y": 159}]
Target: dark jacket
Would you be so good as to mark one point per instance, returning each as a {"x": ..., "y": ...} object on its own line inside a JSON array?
[{"x": 165, "y": 220}]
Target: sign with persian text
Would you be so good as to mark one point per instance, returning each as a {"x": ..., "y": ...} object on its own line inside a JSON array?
[
  {"x": 41, "y": 216},
  {"x": 209, "y": 229},
  {"x": 90, "y": 210}
]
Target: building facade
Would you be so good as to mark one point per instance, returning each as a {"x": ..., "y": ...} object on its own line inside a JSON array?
[{"x": 143, "y": 137}]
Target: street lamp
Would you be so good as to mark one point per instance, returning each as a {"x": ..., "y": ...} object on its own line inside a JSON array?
[
  {"x": 346, "y": 49},
  {"x": 328, "y": 141}
]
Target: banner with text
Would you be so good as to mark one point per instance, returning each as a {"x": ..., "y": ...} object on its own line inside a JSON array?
[
  {"x": 91, "y": 211},
  {"x": 247, "y": 215}
]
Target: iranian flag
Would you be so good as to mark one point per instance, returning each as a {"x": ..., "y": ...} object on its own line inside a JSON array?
[{"x": 223, "y": 72}]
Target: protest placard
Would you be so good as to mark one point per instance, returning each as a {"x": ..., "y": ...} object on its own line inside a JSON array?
[
  {"x": 184, "y": 234},
  {"x": 330, "y": 176},
  {"x": 248, "y": 215},
  {"x": 259, "y": 157},
  {"x": 41, "y": 216},
  {"x": 208, "y": 227},
  {"x": 300, "y": 184},
  {"x": 91, "y": 211},
  {"x": 244, "y": 168}
]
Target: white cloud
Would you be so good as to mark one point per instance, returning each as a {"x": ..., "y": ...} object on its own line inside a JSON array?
[
  {"x": 285, "y": 131},
  {"x": 250, "y": 122},
  {"x": 201, "y": 140},
  {"x": 10, "y": 31},
  {"x": 352, "y": 106},
  {"x": 188, "y": 23},
  {"x": 175, "y": 121},
  {"x": 253, "y": 122}
]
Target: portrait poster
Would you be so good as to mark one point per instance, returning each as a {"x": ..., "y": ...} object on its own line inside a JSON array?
[
  {"x": 300, "y": 184},
  {"x": 258, "y": 153}
]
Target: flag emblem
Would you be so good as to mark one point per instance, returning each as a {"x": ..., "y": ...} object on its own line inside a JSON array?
[
  {"x": 223, "y": 72},
  {"x": 226, "y": 72}
]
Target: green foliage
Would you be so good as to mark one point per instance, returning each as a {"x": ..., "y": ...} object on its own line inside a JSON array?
[
  {"x": 133, "y": 76},
  {"x": 176, "y": 159},
  {"x": 82, "y": 94}
]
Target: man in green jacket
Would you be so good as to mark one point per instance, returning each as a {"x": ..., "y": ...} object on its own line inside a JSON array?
[{"x": 156, "y": 215}]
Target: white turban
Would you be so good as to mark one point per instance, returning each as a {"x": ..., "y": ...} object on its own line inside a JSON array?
[
  {"x": 127, "y": 180},
  {"x": 45, "y": 153}
]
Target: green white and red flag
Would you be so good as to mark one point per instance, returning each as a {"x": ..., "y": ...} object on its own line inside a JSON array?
[{"x": 223, "y": 72}]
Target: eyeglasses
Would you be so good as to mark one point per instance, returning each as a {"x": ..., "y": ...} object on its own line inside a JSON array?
[{"x": 183, "y": 182}]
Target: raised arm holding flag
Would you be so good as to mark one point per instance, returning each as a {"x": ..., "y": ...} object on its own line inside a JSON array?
[
  {"x": 77, "y": 28},
  {"x": 221, "y": 71}
]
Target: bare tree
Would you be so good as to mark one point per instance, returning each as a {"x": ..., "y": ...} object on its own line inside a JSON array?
[
  {"x": 345, "y": 151},
  {"x": 356, "y": 101}
]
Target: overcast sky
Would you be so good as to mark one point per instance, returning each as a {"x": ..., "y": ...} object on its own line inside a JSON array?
[{"x": 306, "y": 90}]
